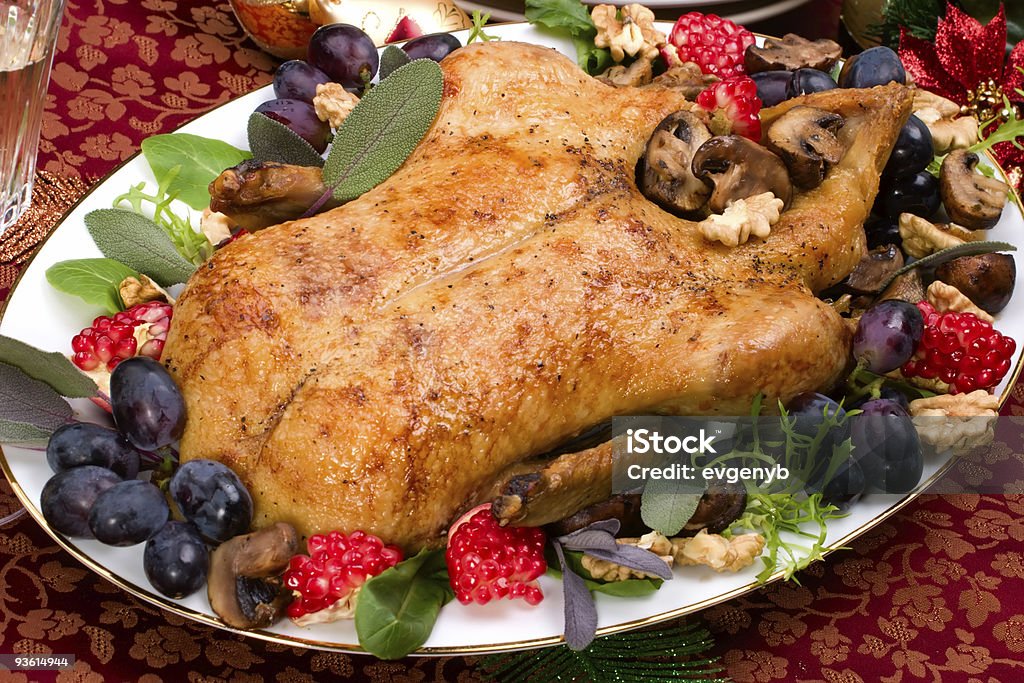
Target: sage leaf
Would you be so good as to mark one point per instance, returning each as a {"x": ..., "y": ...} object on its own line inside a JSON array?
[
  {"x": 271, "y": 140},
  {"x": 49, "y": 367},
  {"x": 30, "y": 410},
  {"x": 139, "y": 243},
  {"x": 667, "y": 505},
  {"x": 383, "y": 129},
  {"x": 950, "y": 253},
  {"x": 392, "y": 58},
  {"x": 589, "y": 539},
  {"x": 198, "y": 159},
  {"x": 397, "y": 609},
  {"x": 580, "y": 611},
  {"x": 94, "y": 280}
]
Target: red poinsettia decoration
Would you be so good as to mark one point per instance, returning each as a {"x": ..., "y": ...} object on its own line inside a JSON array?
[
  {"x": 967, "y": 64},
  {"x": 964, "y": 56}
]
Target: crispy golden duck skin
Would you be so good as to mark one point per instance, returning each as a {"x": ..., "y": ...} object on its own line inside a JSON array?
[{"x": 371, "y": 367}]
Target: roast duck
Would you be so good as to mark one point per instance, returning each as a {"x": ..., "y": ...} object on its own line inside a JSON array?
[{"x": 391, "y": 362}]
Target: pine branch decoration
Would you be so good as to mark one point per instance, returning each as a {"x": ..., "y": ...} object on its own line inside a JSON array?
[
  {"x": 920, "y": 17},
  {"x": 675, "y": 653}
]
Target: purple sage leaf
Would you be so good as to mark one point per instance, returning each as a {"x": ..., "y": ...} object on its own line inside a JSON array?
[
  {"x": 589, "y": 539},
  {"x": 29, "y": 409},
  {"x": 580, "y": 611},
  {"x": 635, "y": 558}
]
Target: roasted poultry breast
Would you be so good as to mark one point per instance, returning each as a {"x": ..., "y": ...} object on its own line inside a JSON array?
[{"x": 377, "y": 366}]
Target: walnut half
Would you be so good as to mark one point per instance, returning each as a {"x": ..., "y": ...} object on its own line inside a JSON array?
[
  {"x": 627, "y": 31},
  {"x": 957, "y": 422}
]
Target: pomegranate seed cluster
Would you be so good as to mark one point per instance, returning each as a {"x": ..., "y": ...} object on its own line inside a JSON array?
[
  {"x": 715, "y": 44},
  {"x": 111, "y": 340},
  {"x": 737, "y": 99},
  {"x": 487, "y": 561},
  {"x": 337, "y": 565},
  {"x": 960, "y": 349}
]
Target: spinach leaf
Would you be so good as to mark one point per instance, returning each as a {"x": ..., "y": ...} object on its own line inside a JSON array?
[
  {"x": 94, "y": 280},
  {"x": 396, "y": 610}
]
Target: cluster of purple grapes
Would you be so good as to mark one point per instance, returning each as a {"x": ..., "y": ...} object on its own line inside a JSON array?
[
  {"x": 338, "y": 53},
  {"x": 96, "y": 493}
]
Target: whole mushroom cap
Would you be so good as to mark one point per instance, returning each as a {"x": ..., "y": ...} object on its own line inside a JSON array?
[{"x": 739, "y": 168}]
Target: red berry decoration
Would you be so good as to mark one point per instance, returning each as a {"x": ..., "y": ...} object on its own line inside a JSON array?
[
  {"x": 961, "y": 350},
  {"x": 139, "y": 331},
  {"x": 736, "y": 100},
  {"x": 487, "y": 561},
  {"x": 715, "y": 44},
  {"x": 335, "y": 569}
]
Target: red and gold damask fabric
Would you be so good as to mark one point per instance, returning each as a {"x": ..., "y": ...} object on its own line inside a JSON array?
[{"x": 934, "y": 594}]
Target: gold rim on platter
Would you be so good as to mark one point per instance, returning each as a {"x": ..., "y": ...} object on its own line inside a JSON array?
[{"x": 288, "y": 640}]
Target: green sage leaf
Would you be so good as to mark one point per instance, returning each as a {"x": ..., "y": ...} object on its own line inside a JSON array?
[
  {"x": 950, "y": 253},
  {"x": 198, "y": 159},
  {"x": 666, "y": 505},
  {"x": 48, "y": 367},
  {"x": 391, "y": 59},
  {"x": 94, "y": 280},
  {"x": 29, "y": 409},
  {"x": 383, "y": 129},
  {"x": 271, "y": 140},
  {"x": 139, "y": 243},
  {"x": 397, "y": 609}
]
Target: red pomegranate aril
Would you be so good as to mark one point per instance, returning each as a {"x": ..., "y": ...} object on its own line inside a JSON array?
[
  {"x": 960, "y": 349},
  {"x": 112, "y": 339}
]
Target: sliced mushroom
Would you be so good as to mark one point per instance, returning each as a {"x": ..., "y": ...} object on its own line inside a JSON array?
[
  {"x": 666, "y": 178},
  {"x": 906, "y": 287},
  {"x": 686, "y": 79},
  {"x": 875, "y": 269},
  {"x": 971, "y": 199},
  {"x": 987, "y": 280},
  {"x": 636, "y": 74},
  {"x": 792, "y": 52},
  {"x": 805, "y": 138},
  {"x": 739, "y": 168},
  {"x": 244, "y": 584}
]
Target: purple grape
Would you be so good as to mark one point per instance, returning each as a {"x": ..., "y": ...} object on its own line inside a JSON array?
[
  {"x": 807, "y": 412},
  {"x": 176, "y": 560},
  {"x": 886, "y": 446},
  {"x": 68, "y": 497},
  {"x": 806, "y": 81},
  {"x": 128, "y": 512},
  {"x": 772, "y": 86},
  {"x": 845, "y": 486},
  {"x": 84, "y": 443},
  {"x": 345, "y": 53},
  {"x": 297, "y": 80},
  {"x": 882, "y": 231},
  {"x": 917, "y": 194},
  {"x": 301, "y": 119},
  {"x": 147, "y": 406},
  {"x": 874, "y": 66},
  {"x": 213, "y": 498},
  {"x": 886, "y": 335},
  {"x": 435, "y": 46},
  {"x": 913, "y": 151}
]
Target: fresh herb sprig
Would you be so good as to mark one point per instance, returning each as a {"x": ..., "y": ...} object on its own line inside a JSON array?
[
  {"x": 192, "y": 245},
  {"x": 476, "y": 32},
  {"x": 572, "y": 18}
]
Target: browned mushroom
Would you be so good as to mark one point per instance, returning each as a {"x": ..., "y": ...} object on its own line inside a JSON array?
[
  {"x": 667, "y": 178},
  {"x": 875, "y": 270},
  {"x": 805, "y": 138},
  {"x": 792, "y": 52},
  {"x": 687, "y": 79},
  {"x": 905, "y": 287},
  {"x": 971, "y": 199},
  {"x": 738, "y": 168},
  {"x": 719, "y": 507},
  {"x": 244, "y": 583},
  {"x": 987, "y": 280},
  {"x": 624, "y": 507}
]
